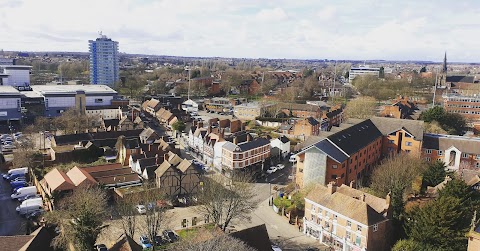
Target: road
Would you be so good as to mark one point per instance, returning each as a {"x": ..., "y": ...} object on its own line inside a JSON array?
[{"x": 11, "y": 223}]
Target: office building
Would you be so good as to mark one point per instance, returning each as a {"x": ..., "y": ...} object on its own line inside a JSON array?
[
  {"x": 363, "y": 70},
  {"x": 104, "y": 61},
  {"x": 467, "y": 106},
  {"x": 15, "y": 75},
  {"x": 10, "y": 103}
]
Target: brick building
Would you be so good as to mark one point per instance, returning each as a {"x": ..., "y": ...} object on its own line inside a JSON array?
[
  {"x": 467, "y": 106},
  {"x": 401, "y": 108},
  {"x": 235, "y": 156},
  {"x": 457, "y": 152},
  {"x": 347, "y": 219},
  {"x": 348, "y": 155},
  {"x": 307, "y": 127}
]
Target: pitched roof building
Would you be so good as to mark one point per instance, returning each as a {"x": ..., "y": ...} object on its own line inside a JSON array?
[{"x": 347, "y": 218}]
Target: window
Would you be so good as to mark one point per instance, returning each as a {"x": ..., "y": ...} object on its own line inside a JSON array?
[
  {"x": 408, "y": 143},
  {"x": 99, "y": 100},
  {"x": 477, "y": 165},
  {"x": 428, "y": 159},
  {"x": 477, "y": 157},
  {"x": 391, "y": 141},
  {"x": 358, "y": 240},
  {"x": 334, "y": 176},
  {"x": 349, "y": 223},
  {"x": 334, "y": 166},
  {"x": 313, "y": 208},
  {"x": 428, "y": 151},
  {"x": 439, "y": 152},
  {"x": 375, "y": 227},
  {"x": 349, "y": 235},
  {"x": 465, "y": 155},
  {"x": 359, "y": 228}
]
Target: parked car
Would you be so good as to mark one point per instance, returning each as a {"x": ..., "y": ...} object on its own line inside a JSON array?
[
  {"x": 272, "y": 169},
  {"x": 276, "y": 248},
  {"x": 280, "y": 166},
  {"x": 17, "y": 184},
  {"x": 34, "y": 215},
  {"x": 158, "y": 240},
  {"x": 141, "y": 209},
  {"x": 21, "y": 170},
  {"x": 9, "y": 147},
  {"x": 101, "y": 247},
  {"x": 293, "y": 158},
  {"x": 14, "y": 176},
  {"x": 145, "y": 242},
  {"x": 170, "y": 236},
  {"x": 22, "y": 178}
]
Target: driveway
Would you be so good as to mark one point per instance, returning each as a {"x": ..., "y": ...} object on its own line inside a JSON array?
[{"x": 11, "y": 223}]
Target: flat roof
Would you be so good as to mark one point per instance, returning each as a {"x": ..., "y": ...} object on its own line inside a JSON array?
[
  {"x": 8, "y": 90},
  {"x": 16, "y": 66},
  {"x": 31, "y": 94},
  {"x": 72, "y": 89}
]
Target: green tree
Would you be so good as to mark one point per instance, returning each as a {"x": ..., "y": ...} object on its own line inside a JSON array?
[
  {"x": 423, "y": 69},
  {"x": 407, "y": 245},
  {"x": 457, "y": 188},
  {"x": 434, "y": 174},
  {"x": 441, "y": 224},
  {"x": 178, "y": 126},
  {"x": 453, "y": 123}
]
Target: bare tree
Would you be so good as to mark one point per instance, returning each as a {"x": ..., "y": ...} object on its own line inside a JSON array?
[
  {"x": 395, "y": 175},
  {"x": 361, "y": 108},
  {"x": 154, "y": 218},
  {"x": 214, "y": 242},
  {"x": 126, "y": 209},
  {"x": 80, "y": 216},
  {"x": 225, "y": 201}
]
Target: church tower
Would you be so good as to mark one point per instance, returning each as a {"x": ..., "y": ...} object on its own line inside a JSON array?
[{"x": 442, "y": 77}]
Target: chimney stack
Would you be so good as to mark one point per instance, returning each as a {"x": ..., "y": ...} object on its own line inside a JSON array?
[
  {"x": 363, "y": 197},
  {"x": 249, "y": 137},
  {"x": 235, "y": 140},
  {"x": 332, "y": 187},
  {"x": 352, "y": 184}
]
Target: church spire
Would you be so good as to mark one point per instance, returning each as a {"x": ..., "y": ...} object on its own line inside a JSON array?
[{"x": 444, "y": 66}]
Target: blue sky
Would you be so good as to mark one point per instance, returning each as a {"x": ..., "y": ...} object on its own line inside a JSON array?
[{"x": 356, "y": 29}]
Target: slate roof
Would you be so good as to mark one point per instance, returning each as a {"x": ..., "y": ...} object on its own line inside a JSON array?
[
  {"x": 71, "y": 138},
  {"x": 443, "y": 142},
  {"x": 331, "y": 150},
  {"x": 229, "y": 146},
  {"x": 353, "y": 138},
  {"x": 111, "y": 122},
  {"x": 255, "y": 237},
  {"x": 463, "y": 79},
  {"x": 258, "y": 142},
  {"x": 389, "y": 125},
  {"x": 147, "y": 162},
  {"x": 312, "y": 121},
  {"x": 343, "y": 202},
  {"x": 284, "y": 139}
]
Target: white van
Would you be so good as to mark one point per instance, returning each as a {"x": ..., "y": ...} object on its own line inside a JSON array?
[
  {"x": 22, "y": 170},
  {"x": 29, "y": 206},
  {"x": 24, "y": 191}
]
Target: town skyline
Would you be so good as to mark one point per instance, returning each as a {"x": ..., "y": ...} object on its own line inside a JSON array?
[{"x": 308, "y": 30}]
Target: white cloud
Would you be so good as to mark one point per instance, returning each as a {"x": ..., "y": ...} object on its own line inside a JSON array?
[
  {"x": 327, "y": 13},
  {"x": 275, "y": 14},
  {"x": 248, "y": 28}
]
